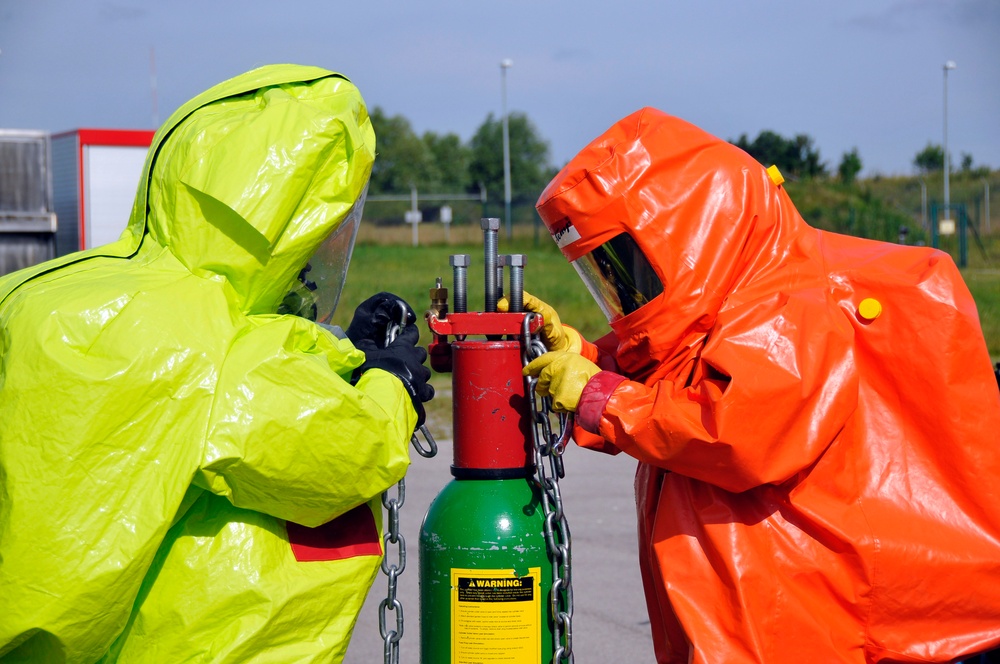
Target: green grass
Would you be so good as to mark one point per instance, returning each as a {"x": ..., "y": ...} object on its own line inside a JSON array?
[
  {"x": 385, "y": 260},
  {"x": 984, "y": 284},
  {"x": 411, "y": 272}
]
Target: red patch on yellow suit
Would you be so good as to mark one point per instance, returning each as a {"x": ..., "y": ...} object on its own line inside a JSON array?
[{"x": 349, "y": 535}]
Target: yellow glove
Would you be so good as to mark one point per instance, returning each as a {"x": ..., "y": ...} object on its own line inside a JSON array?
[
  {"x": 562, "y": 375},
  {"x": 555, "y": 335}
]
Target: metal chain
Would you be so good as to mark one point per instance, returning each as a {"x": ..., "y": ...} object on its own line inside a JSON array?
[
  {"x": 390, "y": 638},
  {"x": 392, "y": 571},
  {"x": 549, "y": 470},
  {"x": 390, "y": 603}
]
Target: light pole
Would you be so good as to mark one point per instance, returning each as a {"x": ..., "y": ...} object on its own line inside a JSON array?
[
  {"x": 505, "y": 64},
  {"x": 947, "y": 160},
  {"x": 986, "y": 201},
  {"x": 923, "y": 204}
]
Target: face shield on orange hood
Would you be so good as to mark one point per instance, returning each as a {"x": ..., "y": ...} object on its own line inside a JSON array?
[{"x": 688, "y": 217}]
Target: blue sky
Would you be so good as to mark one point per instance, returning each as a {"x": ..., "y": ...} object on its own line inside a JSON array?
[{"x": 865, "y": 74}]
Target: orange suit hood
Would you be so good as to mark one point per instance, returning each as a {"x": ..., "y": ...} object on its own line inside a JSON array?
[{"x": 705, "y": 213}]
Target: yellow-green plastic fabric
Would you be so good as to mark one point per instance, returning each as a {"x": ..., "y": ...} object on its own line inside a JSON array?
[{"x": 159, "y": 425}]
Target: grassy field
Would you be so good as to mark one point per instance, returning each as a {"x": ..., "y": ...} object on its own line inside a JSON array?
[{"x": 384, "y": 259}]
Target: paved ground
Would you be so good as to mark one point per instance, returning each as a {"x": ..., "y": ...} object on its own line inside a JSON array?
[{"x": 610, "y": 622}]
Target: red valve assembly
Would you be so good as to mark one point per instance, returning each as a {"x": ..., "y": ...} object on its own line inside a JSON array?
[{"x": 490, "y": 413}]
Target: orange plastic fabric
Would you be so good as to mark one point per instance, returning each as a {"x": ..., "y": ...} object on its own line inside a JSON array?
[{"x": 813, "y": 485}]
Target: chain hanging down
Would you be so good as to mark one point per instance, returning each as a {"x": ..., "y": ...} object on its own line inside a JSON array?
[
  {"x": 392, "y": 504},
  {"x": 549, "y": 448}
]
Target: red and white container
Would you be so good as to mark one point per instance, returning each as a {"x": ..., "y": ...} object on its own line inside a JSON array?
[{"x": 95, "y": 174}]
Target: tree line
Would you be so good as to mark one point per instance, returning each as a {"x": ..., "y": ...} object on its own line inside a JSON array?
[
  {"x": 445, "y": 164},
  {"x": 799, "y": 158}
]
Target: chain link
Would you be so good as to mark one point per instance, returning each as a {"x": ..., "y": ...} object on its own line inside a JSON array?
[
  {"x": 549, "y": 470},
  {"x": 392, "y": 536},
  {"x": 392, "y": 504},
  {"x": 392, "y": 571}
]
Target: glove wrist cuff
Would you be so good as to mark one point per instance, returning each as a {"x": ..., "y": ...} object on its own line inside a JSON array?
[
  {"x": 414, "y": 395},
  {"x": 573, "y": 340}
]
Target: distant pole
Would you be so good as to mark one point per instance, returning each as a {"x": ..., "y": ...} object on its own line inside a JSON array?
[
  {"x": 152, "y": 85},
  {"x": 947, "y": 160},
  {"x": 986, "y": 201},
  {"x": 414, "y": 214},
  {"x": 505, "y": 64},
  {"x": 923, "y": 205}
]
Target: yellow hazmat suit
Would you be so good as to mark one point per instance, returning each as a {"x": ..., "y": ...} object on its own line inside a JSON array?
[{"x": 170, "y": 448}]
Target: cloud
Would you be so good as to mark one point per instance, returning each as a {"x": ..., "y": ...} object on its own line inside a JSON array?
[
  {"x": 974, "y": 13},
  {"x": 900, "y": 17},
  {"x": 907, "y": 15},
  {"x": 114, "y": 12},
  {"x": 570, "y": 54}
]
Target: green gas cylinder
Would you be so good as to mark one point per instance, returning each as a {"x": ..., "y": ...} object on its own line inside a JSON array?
[
  {"x": 485, "y": 576},
  {"x": 485, "y": 570}
]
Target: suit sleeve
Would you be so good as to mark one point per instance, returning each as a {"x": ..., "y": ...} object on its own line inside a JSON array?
[
  {"x": 770, "y": 390},
  {"x": 291, "y": 437}
]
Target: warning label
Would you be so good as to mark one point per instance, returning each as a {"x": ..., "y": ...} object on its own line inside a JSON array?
[
  {"x": 496, "y": 616},
  {"x": 496, "y": 590}
]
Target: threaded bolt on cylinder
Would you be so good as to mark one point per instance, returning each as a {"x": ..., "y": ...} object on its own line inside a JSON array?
[
  {"x": 491, "y": 227},
  {"x": 517, "y": 262},
  {"x": 501, "y": 262},
  {"x": 459, "y": 269}
]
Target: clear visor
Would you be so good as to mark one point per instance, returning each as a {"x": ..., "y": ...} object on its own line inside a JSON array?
[
  {"x": 315, "y": 292},
  {"x": 619, "y": 276}
]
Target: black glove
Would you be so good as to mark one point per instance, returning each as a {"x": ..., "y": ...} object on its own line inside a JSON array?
[
  {"x": 374, "y": 315},
  {"x": 404, "y": 360}
]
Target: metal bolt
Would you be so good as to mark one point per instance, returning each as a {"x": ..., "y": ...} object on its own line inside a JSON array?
[
  {"x": 516, "y": 262},
  {"x": 459, "y": 268},
  {"x": 490, "y": 225},
  {"x": 501, "y": 262}
]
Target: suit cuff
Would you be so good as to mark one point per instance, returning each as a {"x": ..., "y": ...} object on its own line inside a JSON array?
[{"x": 594, "y": 397}]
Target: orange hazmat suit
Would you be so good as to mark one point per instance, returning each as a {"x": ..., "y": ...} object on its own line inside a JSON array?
[{"x": 815, "y": 416}]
